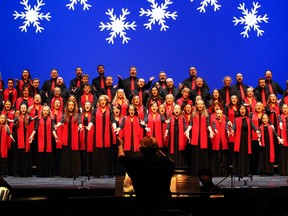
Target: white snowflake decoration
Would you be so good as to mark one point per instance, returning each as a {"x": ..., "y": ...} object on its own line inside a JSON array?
[
  {"x": 158, "y": 14},
  {"x": 251, "y": 20},
  {"x": 86, "y": 6},
  {"x": 204, "y": 4},
  {"x": 32, "y": 16},
  {"x": 117, "y": 26}
]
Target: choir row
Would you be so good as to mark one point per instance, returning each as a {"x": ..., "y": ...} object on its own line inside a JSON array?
[{"x": 86, "y": 142}]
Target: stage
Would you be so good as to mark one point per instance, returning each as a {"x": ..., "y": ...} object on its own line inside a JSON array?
[{"x": 254, "y": 195}]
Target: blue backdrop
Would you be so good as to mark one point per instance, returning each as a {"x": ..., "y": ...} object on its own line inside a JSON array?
[{"x": 152, "y": 35}]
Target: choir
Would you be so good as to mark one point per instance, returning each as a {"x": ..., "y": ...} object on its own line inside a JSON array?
[{"x": 71, "y": 130}]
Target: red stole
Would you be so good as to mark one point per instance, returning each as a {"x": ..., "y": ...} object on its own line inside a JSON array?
[
  {"x": 33, "y": 112},
  {"x": 283, "y": 131},
  {"x": 10, "y": 114},
  {"x": 59, "y": 129},
  {"x": 273, "y": 115},
  {"x": 84, "y": 100},
  {"x": 255, "y": 120},
  {"x": 42, "y": 132},
  {"x": 126, "y": 133},
  {"x": 140, "y": 111},
  {"x": 253, "y": 104},
  {"x": 21, "y": 83},
  {"x": 180, "y": 101},
  {"x": 169, "y": 109},
  {"x": 74, "y": 134},
  {"x": 22, "y": 139},
  {"x": 86, "y": 134},
  {"x": 61, "y": 103},
  {"x": 271, "y": 140},
  {"x": 20, "y": 100},
  {"x": 4, "y": 141},
  {"x": 101, "y": 141},
  {"x": 14, "y": 93},
  {"x": 181, "y": 136},
  {"x": 141, "y": 115},
  {"x": 163, "y": 129},
  {"x": 155, "y": 124},
  {"x": 286, "y": 99},
  {"x": 198, "y": 132},
  {"x": 221, "y": 137},
  {"x": 114, "y": 136},
  {"x": 238, "y": 134},
  {"x": 231, "y": 117},
  {"x": 124, "y": 107}
]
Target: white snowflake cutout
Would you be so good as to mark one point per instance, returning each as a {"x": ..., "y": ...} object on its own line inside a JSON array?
[
  {"x": 250, "y": 20},
  {"x": 158, "y": 14},
  {"x": 32, "y": 16},
  {"x": 117, "y": 26},
  {"x": 204, "y": 4},
  {"x": 86, "y": 6}
]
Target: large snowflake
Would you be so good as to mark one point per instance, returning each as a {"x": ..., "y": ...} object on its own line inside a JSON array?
[
  {"x": 32, "y": 16},
  {"x": 158, "y": 14},
  {"x": 117, "y": 26},
  {"x": 204, "y": 4},
  {"x": 86, "y": 6},
  {"x": 251, "y": 20}
]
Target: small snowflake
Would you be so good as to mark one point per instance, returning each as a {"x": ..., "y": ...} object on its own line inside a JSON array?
[
  {"x": 118, "y": 26},
  {"x": 158, "y": 14},
  {"x": 86, "y": 6},
  {"x": 32, "y": 16},
  {"x": 251, "y": 20},
  {"x": 204, "y": 4}
]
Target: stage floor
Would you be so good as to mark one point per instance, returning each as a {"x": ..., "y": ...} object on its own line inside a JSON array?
[{"x": 255, "y": 181}]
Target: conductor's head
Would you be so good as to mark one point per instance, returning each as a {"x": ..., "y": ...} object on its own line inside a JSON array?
[{"x": 149, "y": 146}]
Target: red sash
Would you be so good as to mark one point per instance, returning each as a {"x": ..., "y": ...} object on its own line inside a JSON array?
[
  {"x": 283, "y": 131},
  {"x": 23, "y": 144},
  {"x": 181, "y": 136},
  {"x": 255, "y": 120},
  {"x": 59, "y": 129},
  {"x": 271, "y": 140},
  {"x": 4, "y": 141},
  {"x": 14, "y": 93},
  {"x": 84, "y": 100},
  {"x": 198, "y": 132},
  {"x": 41, "y": 135},
  {"x": 238, "y": 134},
  {"x": 126, "y": 133},
  {"x": 74, "y": 134},
  {"x": 157, "y": 127},
  {"x": 101, "y": 141},
  {"x": 89, "y": 134},
  {"x": 221, "y": 137}
]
